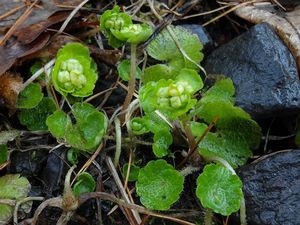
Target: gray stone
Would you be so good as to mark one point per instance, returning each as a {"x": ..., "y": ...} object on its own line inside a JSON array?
[
  {"x": 272, "y": 189},
  {"x": 263, "y": 70}
]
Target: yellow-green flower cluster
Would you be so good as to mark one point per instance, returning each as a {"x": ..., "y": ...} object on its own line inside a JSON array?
[
  {"x": 71, "y": 74},
  {"x": 175, "y": 95}
]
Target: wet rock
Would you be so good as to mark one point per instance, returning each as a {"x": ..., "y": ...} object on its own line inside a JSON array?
[
  {"x": 202, "y": 34},
  {"x": 272, "y": 189},
  {"x": 263, "y": 70}
]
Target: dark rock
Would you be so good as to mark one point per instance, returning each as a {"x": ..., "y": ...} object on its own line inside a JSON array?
[
  {"x": 272, "y": 189},
  {"x": 202, "y": 34},
  {"x": 263, "y": 70}
]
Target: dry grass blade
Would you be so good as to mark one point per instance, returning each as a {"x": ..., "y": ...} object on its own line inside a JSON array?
[
  {"x": 121, "y": 188},
  {"x": 105, "y": 196},
  {"x": 17, "y": 23}
]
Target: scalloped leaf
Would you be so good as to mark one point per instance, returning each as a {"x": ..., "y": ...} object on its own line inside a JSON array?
[
  {"x": 191, "y": 77},
  {"x": 89, "y": 129},
  {"x": 157, "y": 72},
  {"x": 164, "y": 48},
  {"x": 162, "y": 140},
  {"x": 230, "y": 146},
  {"x": 221, "y": 91},
  {"x": 124, "y": 70},
  {"x": 35, "y": 118},
  {"x": 30, "y": 97},
  {"x": 223, "y": 193},
  {"x": 159, "y": 185},
  {"x": 12, "y": 187},
  {"x": 84, "y": 183},
  {"x": 197, "y": 128},
  {"x": 232, "y": 119},
  {"x": 134, "y": 171},
  {"x": 57, "y": 123}
]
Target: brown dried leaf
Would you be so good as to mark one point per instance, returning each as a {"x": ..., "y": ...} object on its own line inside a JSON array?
[
  {"x": 45, "y": 9},
  {"x": 10, "y": 86},
  {"x": 15, "y": 50},
  {"x": 286, "y": 24},
  {"x": 28, "y": 34}
]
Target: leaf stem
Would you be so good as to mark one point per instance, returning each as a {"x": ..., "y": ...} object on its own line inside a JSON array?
[
  {"x": 208, "y": 217},
  {"x": 118, "y": 141},
  {"x": 131, "y": 83}
]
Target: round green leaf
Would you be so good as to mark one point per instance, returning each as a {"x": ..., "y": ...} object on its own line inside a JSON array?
[
  {"x": 164, "y": 48},
  {"x": 162, "y": 140},
  {"x": 191, "y": 77},
  {"x": 220, "y": 190},
  {"x": 159, "y": 185},
  {"x": 30, "y": 97},
  {"x": 72, "y": 156},
  {"x": 124, "y": 70},
  {"x": 134, "y": 172},
  {"x": 35, "y": 118},
  {"x": 57, "y": 123},
  {"x": 84, "y": 183},
  {"x": 139, "y": 125},
  {"x": 89, "y": 129}
]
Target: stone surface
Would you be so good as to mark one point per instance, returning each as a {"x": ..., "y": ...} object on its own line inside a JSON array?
[
  {"x": 202, "y": 34},
  {"x": 263, "y": 70},
  {"x": 272, "y": 189}
]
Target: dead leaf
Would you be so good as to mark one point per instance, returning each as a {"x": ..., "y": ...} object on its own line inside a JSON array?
[
  {"x": 41, "y": 12},
  {"x": 286, "y": 24},
  {"x": 10, "y": 86},
  {"x": 15, "y": 50},
  {"x": 30, "y": 33},
  {"x": 110, "y": 57}
]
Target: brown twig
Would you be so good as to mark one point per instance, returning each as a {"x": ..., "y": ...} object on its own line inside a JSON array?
[{"x": 191, "y": 151}]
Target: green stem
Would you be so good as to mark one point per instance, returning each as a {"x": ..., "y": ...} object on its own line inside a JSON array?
[
  {"x": 118, "y": 141},
  {"x": 208, "y": 217},
  {"x": 131, "y": 83}
]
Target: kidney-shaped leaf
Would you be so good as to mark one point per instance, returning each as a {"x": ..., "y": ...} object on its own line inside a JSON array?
[
  {"x": 159, "y": 185},
  {"x": 220, "y": 190}
]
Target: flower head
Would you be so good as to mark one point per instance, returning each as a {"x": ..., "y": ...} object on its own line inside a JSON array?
[{"x": 74, "y": 71}]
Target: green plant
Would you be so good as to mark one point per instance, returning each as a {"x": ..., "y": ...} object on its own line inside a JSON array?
[
  {"x": 37, "y": 122},
  {"x": 118, "y": 28},
  {"x": 159, "y": 185},
  {"x": 223, "y": 193},
  {"x": 168, "y": 95},
  {"x": 74, "y": 71},
  {"x": 13, "y": 187},
  {"x": 3, "y": 153},
  {"x": 86, "y": 133},
  {"x": 30, "y": 97},
  {"x": 84, "y": 183}
]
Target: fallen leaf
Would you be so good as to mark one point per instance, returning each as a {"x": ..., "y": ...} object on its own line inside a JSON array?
[
  {"x": 12, "y": 51},
  {"x": 41, "y": 12},
  {"x": 28, "y": 34}
]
